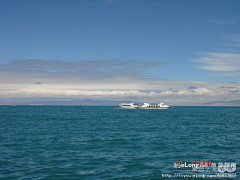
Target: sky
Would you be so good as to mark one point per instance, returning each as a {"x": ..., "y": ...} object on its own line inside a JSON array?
[{"x": 179, "y": 52}]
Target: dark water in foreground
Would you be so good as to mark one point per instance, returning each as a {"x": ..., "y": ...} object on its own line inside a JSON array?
[{"x": 51, "y": 142}]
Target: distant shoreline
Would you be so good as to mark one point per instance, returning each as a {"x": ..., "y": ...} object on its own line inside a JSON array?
[{"x": 117, "y": 105}]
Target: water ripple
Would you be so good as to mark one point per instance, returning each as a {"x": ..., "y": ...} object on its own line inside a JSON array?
[{"x": 51, "y": 142}]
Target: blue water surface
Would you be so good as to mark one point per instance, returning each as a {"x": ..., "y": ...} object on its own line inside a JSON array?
[{"x": 80, "y": 142}]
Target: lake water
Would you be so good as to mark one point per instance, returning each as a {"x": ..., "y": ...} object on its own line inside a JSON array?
[{"x": 71, "y": 142}]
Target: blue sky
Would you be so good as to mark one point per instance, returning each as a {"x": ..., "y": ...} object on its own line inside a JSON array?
[{"x": 159, "y": 42}]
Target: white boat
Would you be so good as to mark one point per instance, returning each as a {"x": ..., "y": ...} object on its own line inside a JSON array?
[
  {"x": 154, "y": 106},
  {"x": 129, "y": 105}
]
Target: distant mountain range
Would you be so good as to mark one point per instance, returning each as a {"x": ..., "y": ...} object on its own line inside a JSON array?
[
  {"x": 223, "y": 103},
  {"x": 89, "y": 102},
  {"x": 86, "y": 102}
]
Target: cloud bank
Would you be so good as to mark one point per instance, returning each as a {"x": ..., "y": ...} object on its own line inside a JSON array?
[{"x": 117, "y": 80}]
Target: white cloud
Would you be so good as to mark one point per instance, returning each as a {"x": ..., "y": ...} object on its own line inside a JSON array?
[
  {"x": 224, "y": 61},
  {"x": 97, "y": 69},
  {"x": 226, "y": 74},
  {"x": 186, "y": 95},
  {"x": 105, "y": 80},
  {"x": 234, "y": 37},
  {"x": 219, "y": 61},
  {"x": 223, "y": 21},
  {"x": 110, "y": 1}
]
